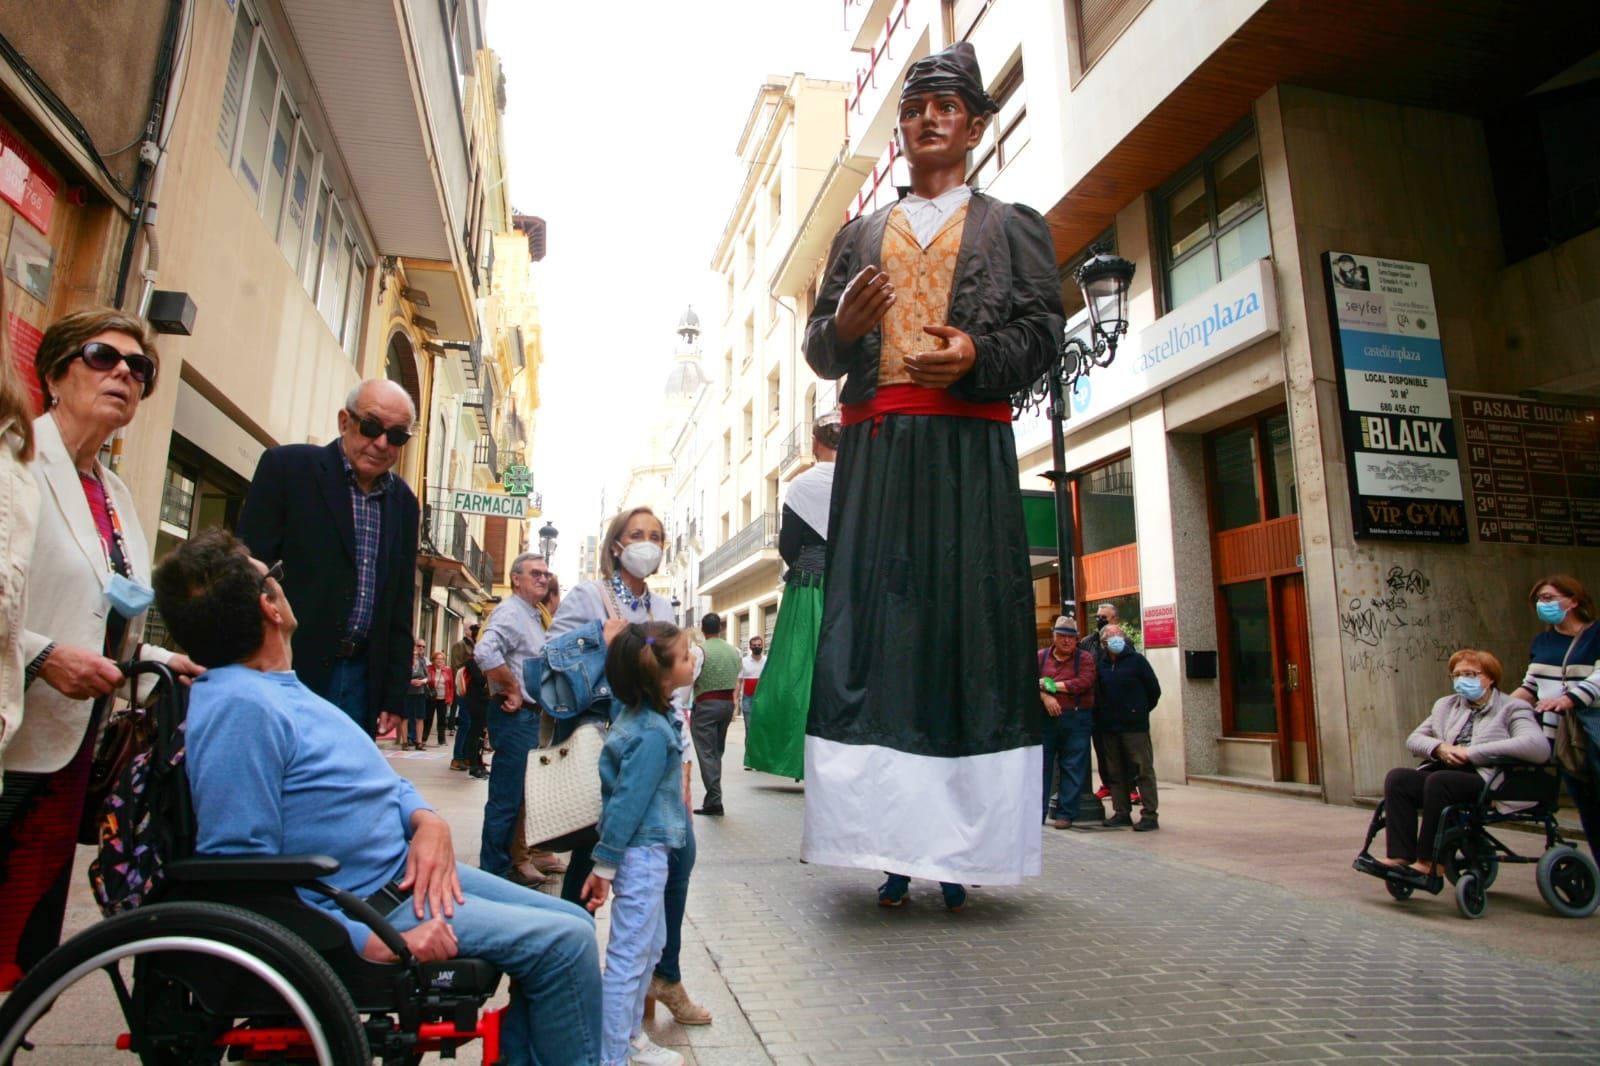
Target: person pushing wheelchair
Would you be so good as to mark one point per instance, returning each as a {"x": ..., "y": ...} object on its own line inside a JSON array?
[{"x": 277, "y": 770}]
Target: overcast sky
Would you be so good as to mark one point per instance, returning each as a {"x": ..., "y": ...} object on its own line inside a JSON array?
[{"x": 620, "y": 128}]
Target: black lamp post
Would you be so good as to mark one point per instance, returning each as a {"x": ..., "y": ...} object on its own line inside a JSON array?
[
  {"x": 676, "y": 603},
  {"x": 547, "y": 540},
  {"x": 1104, "y": 280}
]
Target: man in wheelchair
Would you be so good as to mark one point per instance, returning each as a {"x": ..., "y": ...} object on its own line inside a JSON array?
[{"x": 277, "y": 770}]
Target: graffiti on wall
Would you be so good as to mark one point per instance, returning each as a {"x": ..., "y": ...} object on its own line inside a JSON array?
[{"x": 1408, "y": 621}]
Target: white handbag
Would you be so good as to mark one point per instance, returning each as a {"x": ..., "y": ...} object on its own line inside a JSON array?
[{"x": 561, "y": 791}]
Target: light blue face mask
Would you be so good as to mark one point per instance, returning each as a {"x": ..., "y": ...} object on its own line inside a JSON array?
[
  {"x": 1117, "y": 645},
  {"x": 127, "y": 597},
  {"x": 1550, "y": 612},
  {"x": 1468, "y": 688}
]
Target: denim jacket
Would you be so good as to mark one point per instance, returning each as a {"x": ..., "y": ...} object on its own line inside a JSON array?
[
  {"x": 571, "y": 675},
  {"x": 641, "y": 785}
]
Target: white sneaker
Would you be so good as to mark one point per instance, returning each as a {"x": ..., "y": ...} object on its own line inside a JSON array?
[{"x": 647, "y": 1052}]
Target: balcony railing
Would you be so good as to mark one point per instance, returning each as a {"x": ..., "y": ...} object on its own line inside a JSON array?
[
  {"x": 760, "y": 534},
  {"x": 445, "y": 533},
  {"x": 796, "y": 446}
]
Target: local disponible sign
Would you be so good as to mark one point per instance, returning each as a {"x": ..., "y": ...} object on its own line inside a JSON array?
[
  {"x": 493, "y": 504},
  {"x": 1226, "y": 318},
  {"x": 1399, "y": 438}
]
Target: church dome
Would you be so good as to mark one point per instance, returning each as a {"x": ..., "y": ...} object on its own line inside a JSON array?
[{"x": 685, "y": 380}]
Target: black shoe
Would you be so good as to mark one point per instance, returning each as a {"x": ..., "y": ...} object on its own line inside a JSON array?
[
  {"x": 1147, "y": 824},
  {"x": 480, "y": 773},
  {"x": 1117, "y": 821},
  {"x": 715, "y": 812}
]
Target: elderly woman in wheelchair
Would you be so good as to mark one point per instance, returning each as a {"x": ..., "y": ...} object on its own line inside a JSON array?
[{"x": 1485, "y": 762}]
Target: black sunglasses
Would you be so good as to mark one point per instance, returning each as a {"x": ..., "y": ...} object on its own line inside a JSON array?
[
  {"x": 97, "y": 355},
  {"x": 372, "y": 429},
  {"x": 275, "y": 572}
]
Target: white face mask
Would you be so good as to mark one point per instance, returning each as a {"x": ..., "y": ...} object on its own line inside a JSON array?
[{"x": 641, "y": 559}]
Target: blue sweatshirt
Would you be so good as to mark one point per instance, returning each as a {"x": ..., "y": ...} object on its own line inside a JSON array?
[{"x": 278, "y": 770}]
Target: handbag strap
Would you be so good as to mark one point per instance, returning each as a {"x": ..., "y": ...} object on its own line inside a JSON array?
[{"x": 613, "y": 608}]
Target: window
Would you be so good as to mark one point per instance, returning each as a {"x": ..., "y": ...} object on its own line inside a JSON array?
[
  {"x": 291, "y": 235},
  {"x": 1099, "y": 23},
  {"x": 244, "y": 35},
  {"x": 774, "y": 395},
  {"x": 749, "y": 427},
  {"x": 750, "y": 253},
  {"x": 1007, "y": 133},
  {"x": 727, "y": 372},
  {"x": 749, "y": 339},
  {"x": 1105, "y": 506},
  {"x": 961, "y": 16},
  {"x": 258, "y": 116},
  {"x": 771, "y": 505},
  {"x": 1213, "y": 218},
  {"x": 1252, "y": 473},
  {"x": 728, "y": 277},
  {"x": 727, "y": 463},
  {"x": 1545, "y": 167},
  {"x": 775, "y": 201},
  {"x": 744, "y": 511}
]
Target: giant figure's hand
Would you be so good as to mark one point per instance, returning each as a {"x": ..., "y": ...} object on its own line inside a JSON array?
[
  {"x": 866, "y": 300},
  {"x": 942, "y": 367}
]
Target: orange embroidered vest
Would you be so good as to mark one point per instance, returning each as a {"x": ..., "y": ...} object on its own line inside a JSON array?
[{"x": 922, "y": 279}]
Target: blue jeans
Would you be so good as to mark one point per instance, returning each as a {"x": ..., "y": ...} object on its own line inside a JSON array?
[
  {"x": 347, "y": 690},
  {"x": 680, "y": 864},
  {"x": 638, "y": 933},
  {"x": 547, "y": 948},
  {"x": 513, "y": 736},
  {"x": 1066, "y": 744}
]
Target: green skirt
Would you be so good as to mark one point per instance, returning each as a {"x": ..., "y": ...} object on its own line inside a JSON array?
[{"x": 775, "y": 727}]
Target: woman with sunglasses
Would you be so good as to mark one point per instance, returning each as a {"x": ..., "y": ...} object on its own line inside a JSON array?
[{"x": 88, "y": 593}]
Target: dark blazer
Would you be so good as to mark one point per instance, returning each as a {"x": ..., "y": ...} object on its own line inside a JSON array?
[{"x": 298, "y": 511}]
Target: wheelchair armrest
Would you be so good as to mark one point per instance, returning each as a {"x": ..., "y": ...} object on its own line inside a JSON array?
[
  {"x": 1512, "y": 763},
  {"x": 284, "y": 869}
]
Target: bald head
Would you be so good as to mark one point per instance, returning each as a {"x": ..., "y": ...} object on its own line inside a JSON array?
[{"x": 374, "y": 412}]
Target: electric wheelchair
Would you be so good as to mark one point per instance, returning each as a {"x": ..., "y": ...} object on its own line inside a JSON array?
[
  {"x": 1469, "y": 855},
  {"x": 223, "y": 961}
]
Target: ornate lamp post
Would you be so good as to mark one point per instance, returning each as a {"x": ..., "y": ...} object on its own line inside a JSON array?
[
  {"x": 547, "y": 540},
  {"x": 1104, "y": 280}
]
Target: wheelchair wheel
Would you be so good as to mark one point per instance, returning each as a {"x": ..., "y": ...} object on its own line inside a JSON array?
[
  {"x": 1569, "y": 882},
  {"x": 1485, "y": 862},
  {"x": 1470, "y": 896},
  {"x": 1399, "y": 889},
  {"x": 186, "y": 976}
]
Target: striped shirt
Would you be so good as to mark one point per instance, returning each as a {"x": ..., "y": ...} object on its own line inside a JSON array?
[
  {"x": 1580, "y": 679},
  {"x": 367, "y": 509}
]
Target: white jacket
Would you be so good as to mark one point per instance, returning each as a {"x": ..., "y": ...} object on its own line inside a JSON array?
[
  {"x": 66, "y": 603},
  {"x": 19, "y": 512}
]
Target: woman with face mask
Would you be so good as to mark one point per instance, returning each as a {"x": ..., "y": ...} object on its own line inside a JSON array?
[
  {"x": 1466, "y": 729},
  {"x": 634, "y": 544},
  {"x": 1563, "y": 678}
]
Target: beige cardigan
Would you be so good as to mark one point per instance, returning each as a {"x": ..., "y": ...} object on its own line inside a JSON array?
[
  {"x": 19, "y": 512},
  {"x": 65, "y": 599},
  {"x": 1506, "y": 728}
]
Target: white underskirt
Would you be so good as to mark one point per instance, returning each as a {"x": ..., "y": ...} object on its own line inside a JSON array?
[{"x": 971, "y": 820}]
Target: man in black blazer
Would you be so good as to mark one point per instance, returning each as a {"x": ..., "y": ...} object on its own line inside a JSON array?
[{"x": 345, "y": 529}]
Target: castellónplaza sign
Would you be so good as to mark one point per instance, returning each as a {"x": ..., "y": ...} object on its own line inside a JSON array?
[
  {"x": 1228, "y": 317},
  {"x": 493, "y": 504}
]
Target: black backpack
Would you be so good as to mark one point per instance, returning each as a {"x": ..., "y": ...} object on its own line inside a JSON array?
[{"x": 147, "y": 820}]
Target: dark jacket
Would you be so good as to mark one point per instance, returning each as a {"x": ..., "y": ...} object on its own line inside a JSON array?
[
  {"x": 298, "y": 510},
  {"x": 1127, "y": 693},
  {"x": 1005, "y": 294}
]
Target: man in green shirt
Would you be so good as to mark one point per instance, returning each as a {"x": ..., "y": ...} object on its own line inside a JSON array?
[{"x": 713, "y": 709}]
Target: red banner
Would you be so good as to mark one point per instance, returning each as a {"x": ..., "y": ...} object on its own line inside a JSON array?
[
  {"x": 1159, "y": 626},
  {"x": 24, "y": 184},
  {"x": 24, "y": 338}
]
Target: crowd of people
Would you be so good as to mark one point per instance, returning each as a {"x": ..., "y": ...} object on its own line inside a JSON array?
[{"x": 299, "y": 652}]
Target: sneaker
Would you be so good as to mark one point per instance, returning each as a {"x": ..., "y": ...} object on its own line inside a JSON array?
[
  {"x": 1117, "y": 821},
  {"x": 646, "y": 1052},
  {"x": 1147, "y": 823},
  {"x": 894, "y": 892},
  {"x": 955, "y": 896},
  {"x": 1133, "y": 797},
  {"x": 1102, "y": 793}
]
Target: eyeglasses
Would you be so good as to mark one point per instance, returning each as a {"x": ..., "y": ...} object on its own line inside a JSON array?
[
  {"x": 274, "y": 572},
  {"x": 1550, "y": 597},
  {"x": 97, "y": 355},
  {"x": 537, "y": 575},
  {"x": 372, "y": 429}
]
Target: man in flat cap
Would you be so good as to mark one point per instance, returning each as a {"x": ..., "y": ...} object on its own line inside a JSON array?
[{"x": 923, "y": 746}]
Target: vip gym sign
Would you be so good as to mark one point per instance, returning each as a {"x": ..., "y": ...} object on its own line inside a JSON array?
[
  {"x": 1399, "y": 437},
  {"x": 493, "y": 504}
]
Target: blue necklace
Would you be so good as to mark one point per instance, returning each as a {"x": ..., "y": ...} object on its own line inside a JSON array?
[{"x": 625, "y": 596}]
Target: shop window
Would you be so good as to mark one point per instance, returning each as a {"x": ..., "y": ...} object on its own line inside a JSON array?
[
  {"x": 1007, "y": 133},
  {"x": 1213, "y": 218}
]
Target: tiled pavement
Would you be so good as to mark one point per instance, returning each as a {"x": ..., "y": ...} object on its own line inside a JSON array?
[{"x": 1116, "y": 954}]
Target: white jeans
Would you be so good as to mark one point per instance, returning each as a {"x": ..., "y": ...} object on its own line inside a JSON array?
[{"x": 638, "y": 933}]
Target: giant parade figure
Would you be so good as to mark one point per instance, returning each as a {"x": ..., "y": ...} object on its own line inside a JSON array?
[{"x": 923, "y": 744}]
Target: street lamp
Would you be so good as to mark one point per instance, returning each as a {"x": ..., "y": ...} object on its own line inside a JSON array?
[
  {"x": 547, "y": 540},
  {"x": 1104, "y": 280},
  {"x": 676, "y": 603}
]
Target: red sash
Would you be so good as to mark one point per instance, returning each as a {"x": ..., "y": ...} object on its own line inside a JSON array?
[{"x": 916, "y": 400}]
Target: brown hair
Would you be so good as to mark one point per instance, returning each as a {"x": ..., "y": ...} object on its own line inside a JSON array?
[
  {"x": 1483, "y": 660},
  {"x": 15, "y": 403},
  {"x": 69, "y": 333},
  {"x": 1571, "y": 588},
  {"x": 608, "y": 563},
  {"x": 637, "y": 663}
]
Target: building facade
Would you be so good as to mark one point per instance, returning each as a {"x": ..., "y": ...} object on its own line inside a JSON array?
[{"x": 1355, "y": 414}]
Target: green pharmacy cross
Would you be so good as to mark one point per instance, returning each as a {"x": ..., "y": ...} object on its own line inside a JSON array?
[{"x": 518, "y": 480}]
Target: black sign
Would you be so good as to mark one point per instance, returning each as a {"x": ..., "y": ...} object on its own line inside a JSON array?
[{"x": 1534, "y": 470}]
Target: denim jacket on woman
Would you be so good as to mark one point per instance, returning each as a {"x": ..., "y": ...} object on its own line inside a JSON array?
[{"x": 641, "y": 785}]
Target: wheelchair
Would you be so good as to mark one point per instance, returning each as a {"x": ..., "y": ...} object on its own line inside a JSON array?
[
  {"x": 225, "y": 962},
  {"x": 1469, "y": 855}
]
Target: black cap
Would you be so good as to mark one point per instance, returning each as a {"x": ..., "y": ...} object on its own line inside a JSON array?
[{"x": 954, "y": 70}]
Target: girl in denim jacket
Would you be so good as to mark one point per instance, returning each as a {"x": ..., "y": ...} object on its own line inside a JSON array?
[{"x": 642, "y": 818}]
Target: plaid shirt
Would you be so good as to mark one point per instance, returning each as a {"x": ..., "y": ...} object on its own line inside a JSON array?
[{"x": 367, "y": 509}]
